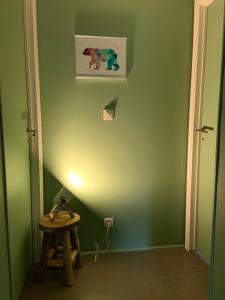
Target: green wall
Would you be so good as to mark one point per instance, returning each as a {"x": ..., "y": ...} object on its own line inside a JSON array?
[
  {"x": 133, "y": 168},
  {"x": 4, "y": 270},
  {"x": 16, "y": 148}
]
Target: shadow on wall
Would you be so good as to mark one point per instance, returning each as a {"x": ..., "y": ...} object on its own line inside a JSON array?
[
  {"x": 109, "y": 25},
  {"x": 91, "y": 227}
]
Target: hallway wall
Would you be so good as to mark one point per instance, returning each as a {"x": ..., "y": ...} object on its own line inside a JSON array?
[
  {"x": 16, "y": 147},
  {"x": 133, "y": 168}
]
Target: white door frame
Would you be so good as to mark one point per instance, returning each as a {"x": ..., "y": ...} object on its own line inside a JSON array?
[
  {"x": 197, "y": 76},
  {"x": 34, "y": 123}
]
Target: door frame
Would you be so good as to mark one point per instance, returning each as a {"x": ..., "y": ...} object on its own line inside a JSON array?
[
  {"x": 34, "y": 122},
  {"x": 197, "y": 76}
]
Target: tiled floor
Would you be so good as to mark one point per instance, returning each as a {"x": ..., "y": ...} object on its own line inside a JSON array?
[{"x": 165, "y": 274}]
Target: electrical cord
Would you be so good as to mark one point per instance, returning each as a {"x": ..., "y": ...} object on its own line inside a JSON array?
[{"x": 98, "y": 248}]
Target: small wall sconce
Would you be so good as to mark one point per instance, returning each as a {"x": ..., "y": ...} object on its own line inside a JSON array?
[{"x": 109, "y": 111}]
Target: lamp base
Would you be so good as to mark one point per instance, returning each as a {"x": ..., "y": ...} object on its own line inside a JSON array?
[{"x": 56, "y": 209}]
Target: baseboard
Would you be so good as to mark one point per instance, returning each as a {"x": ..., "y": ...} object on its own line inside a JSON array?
[
  {"x": 136, "y": 249},
  {"x": 205, "y": 261}
]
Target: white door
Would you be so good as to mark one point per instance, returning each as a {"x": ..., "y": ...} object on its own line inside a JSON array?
[
  {"x": 205, "y": 91},
  {"x": 208, "y": 136}
]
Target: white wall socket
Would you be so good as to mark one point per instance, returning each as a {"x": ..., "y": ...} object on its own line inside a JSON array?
[{"x": 108, "y": 221}]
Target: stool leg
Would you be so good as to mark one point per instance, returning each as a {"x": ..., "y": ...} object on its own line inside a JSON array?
[
  {"x": 46, "y": 242},
  {"x": 79, "y": 256},
  {"x": 67, "y": 258},
  {"x": 76, "y": 245},
  {"x": 54, "y": 244}
]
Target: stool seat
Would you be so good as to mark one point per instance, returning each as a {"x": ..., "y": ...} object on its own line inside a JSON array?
[
  {"x": 54, "y": 255},
  {"x": 62, "y": 221}
]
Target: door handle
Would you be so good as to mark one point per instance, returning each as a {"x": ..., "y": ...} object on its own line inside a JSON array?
[{"x": 205, "y": 129}]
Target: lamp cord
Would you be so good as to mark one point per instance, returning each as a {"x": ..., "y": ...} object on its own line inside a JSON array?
[{"x": 98, "y": 248}]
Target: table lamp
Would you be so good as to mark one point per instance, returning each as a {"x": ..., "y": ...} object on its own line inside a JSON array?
[{"x": 61, "y": 201}]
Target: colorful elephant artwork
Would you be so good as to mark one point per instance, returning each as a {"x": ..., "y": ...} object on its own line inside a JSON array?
[{"x": 109, "y": 56}]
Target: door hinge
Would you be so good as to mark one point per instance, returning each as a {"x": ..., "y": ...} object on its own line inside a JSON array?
[{"x": 31, "y": 134}]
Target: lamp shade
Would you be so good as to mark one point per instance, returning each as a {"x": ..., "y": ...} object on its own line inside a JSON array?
[{"x": 63, "y": 195}]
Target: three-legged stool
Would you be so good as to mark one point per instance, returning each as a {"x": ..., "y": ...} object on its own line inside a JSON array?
[{"x": 52, "y": 254}]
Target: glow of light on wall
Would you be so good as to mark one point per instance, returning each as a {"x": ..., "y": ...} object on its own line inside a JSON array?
[{"x": 75, "y": 180}]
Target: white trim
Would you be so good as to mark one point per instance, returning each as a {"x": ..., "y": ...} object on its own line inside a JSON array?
[
  {"x": 135, "y": 250},
  {"x": 198, "y": 55},
  {"x": 34, "y": 108},
  {"x": 205, "y": 3},
  {"x": 202, "y": 258}
]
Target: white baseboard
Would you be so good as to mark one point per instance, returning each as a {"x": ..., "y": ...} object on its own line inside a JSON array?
[
  {"x": 136, "y": 249},
  {"x": 205, "y": 261}
]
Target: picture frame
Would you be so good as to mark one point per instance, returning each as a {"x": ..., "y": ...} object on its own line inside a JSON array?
[{"x": 98, "y": 56}]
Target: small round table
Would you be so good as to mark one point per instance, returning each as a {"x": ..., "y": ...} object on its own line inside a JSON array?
[{"x": 70, "y": 250}]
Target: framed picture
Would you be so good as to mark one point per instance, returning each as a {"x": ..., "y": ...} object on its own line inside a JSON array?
[{"x": 101, "y": 56}]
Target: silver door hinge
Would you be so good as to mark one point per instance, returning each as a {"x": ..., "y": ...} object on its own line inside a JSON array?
[{"x": 31, "y": 134}]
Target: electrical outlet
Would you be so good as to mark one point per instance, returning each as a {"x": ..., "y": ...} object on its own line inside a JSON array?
[{"x": 108, "y": 221}]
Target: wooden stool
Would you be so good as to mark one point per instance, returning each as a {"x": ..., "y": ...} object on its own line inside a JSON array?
[{"x": 67, "y": 226}]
